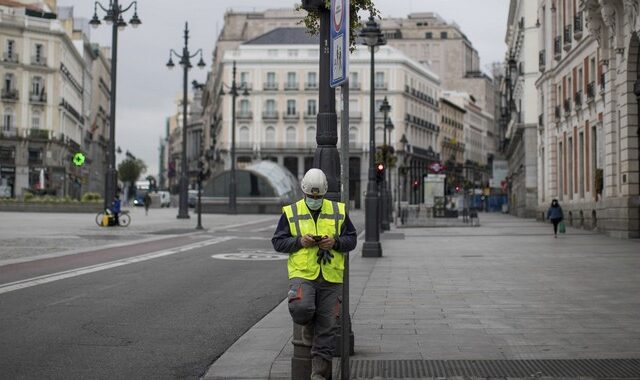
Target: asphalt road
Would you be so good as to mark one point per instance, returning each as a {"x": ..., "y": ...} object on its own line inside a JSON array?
[{"x": 167, "y": 316}]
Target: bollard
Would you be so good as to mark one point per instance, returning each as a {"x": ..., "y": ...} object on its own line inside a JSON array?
[{"x": 301, "y": 359}]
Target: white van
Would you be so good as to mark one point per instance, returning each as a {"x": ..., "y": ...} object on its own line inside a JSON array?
[{"x": 165, "y": 198}]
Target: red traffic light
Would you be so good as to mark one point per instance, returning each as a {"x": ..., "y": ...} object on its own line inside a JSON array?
[
  {"x": 416, "y": 183},
  {"x": 457, "y": 189},
  {"x": 380, "y": 167}
]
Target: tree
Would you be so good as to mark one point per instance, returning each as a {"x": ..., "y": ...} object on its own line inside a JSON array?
[
  {"x": 312, "y": 21},
  {"x": 130, "y": 170}
]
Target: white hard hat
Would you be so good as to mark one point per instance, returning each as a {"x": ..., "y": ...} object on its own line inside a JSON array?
[{"x": 315, "y": 182}]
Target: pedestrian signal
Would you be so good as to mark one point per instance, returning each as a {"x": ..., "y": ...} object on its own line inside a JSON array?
[
  {"x": 380, "y": 171},
  {"x": 416, "y": 184}
]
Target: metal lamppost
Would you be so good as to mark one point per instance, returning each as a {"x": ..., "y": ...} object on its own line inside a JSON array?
[
  {"x": 402, "y": 170},
  {"x": 384, "y": 199},
  {"x": 185, "y": 62},
  {"x": 388, "y": 127},
  {"x": 372, "y": 37},
  {"x": 233, "y": 91},
  {"x": 114, "y": 17}
]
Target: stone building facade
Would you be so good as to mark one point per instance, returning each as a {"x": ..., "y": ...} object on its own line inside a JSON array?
[
  {"x": 589, "y": 142},
  {"x": 46, "y": 105}
]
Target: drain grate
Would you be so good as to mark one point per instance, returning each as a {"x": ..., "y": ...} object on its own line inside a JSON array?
[{"x": 405, "y": 369}]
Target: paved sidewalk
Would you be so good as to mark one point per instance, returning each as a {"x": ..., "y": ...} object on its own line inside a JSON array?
[{"x": 505, "y": 290}]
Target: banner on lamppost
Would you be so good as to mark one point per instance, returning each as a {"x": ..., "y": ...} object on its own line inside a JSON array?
[{"x": 339, "y": 42}]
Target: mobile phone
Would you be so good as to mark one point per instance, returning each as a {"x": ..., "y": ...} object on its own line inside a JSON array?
[{"x": 317, "y": 237}]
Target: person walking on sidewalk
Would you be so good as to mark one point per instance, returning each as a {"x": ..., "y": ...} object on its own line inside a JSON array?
[
  {"x": 147, "y": 203},
  {"x": 315, "y": 232},
  {"x": 555, "y": 215}
]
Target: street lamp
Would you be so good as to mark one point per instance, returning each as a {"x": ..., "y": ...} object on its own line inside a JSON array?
[
  {"x": 372, "y": 37},
  {"x": 388, "y": 126},
  {"x": 114, "y": 17},
  {"x": 185, "y": 62},
  {"x": 233, "y": 91},
  {"x": 384, "y": 199}
]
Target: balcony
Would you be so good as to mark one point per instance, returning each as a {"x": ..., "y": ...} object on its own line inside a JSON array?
[
  {"x": 578, "y": 26},
  {"x": 355, "y": 85},
  {"x": 40, "y": 134},
  {"x": 39, "y": 61},
  {"x": 311, "y": 86},
  {"x": 270, "y": 86},
  {"x": 557, "y": 50},
  {"x": 244, "y": 115},
  {"x": 567, "y": 107},
  {"x": 310, "y": 115},
  {"x": 10, "y": 57},
  {"x": 270, "y": 115},
  {"x": 38, "y": 98},
  {"x": 567, "y": 38},
  {"x": 8, "y": 131},
  {"x": 591, "y": 91},
  {"x": 291, "y": 116},
  {"x": 380, "y": 85},
  {"x": 578, "y": 99},
  {"x": 557, "y": 113},
  {"x": 291, "y": 86},
  {"x": 542, "y": 60},
  {"x": 11, "y": 95}
]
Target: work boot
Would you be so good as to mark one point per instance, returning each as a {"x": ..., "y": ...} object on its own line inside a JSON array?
[
  {"x": 307, "y": 334},
  {"x": 320, "y": 368}
]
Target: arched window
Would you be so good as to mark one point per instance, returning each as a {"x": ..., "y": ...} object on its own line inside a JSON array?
[
  {"x": 270, "y": 135},
  {"x": 311, "y": 136},
  {"x": 35, "y": 120},
  {"x": 291, "y": 135},
  {"x": 244, "y": 135}
]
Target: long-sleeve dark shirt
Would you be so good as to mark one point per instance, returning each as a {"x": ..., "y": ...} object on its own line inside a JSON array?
[{"x": 283, "y": 241}]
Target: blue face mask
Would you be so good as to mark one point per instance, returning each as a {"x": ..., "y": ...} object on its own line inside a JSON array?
[{"x": 313, "y": 204}]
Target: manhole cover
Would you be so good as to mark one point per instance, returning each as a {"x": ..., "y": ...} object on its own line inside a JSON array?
[{"x": 251, "y": 255}]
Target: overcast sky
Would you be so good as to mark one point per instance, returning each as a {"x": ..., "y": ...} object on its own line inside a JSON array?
[{"x": 146, "y": 89}]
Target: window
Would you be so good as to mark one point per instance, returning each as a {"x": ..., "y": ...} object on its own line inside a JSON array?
[
  {"x": 311, "y": 80},
  {"x": 291, "y": 107},
  {"x": 311, "y": 136},
  {"x": 291, "y": 80},
  {"x": 35, "y": 120},
  {"x": 8, "y": 119},
  {"x": 9, "y": 82},
  {"x": 244, "y": 79},
  {"x": 10, "y": 52},
  {"x": 379, "y": 81},
  {"x": 377, "y": 107},
  {"x": 38, "y": 54},
  {"x": 353, "y": 79},
  {"x": 270, "y": 106},
  {"x": 243, "y": 136},
  {"x": 270, "y": 135},
  {"x": 244, "y": 107},
  {"x": 353, "y": 135},
  {"x": 271, "y": 79},
  {"x": 444, "y": 35},
  {"x": 311, "y": 107},
  {"x": 37, "y": 86},
  {"x": 291, "y": 136},
  {"x": 292, "y": 53},
  {"x": 428, "y": 35}
]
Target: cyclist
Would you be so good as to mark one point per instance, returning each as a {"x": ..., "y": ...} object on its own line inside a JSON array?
[{"x": 115, "y": 210}]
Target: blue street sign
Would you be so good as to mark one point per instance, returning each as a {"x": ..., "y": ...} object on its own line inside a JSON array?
[{"x": 339, "y": 42}]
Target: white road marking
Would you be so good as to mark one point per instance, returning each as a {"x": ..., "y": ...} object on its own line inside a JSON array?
[
  {"x": 6, "y": 288},
  {"x": 267, "y": 228}
]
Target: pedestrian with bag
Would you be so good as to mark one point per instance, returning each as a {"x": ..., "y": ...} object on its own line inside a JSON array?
[
  {"x": 555, "y": 215},
  {"x": 315, "y": 232}
]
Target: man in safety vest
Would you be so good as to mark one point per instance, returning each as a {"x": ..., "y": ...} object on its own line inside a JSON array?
[{"x": 315, "y": 232}]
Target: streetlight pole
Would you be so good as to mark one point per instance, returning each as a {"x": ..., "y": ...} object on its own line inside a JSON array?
[
  {"x": 114, "y": 17},
  {"x": 384, "y": 199},
  {"x": 185, "y": 62},
  {"x": 233, "y": 91},
  {"x": 388, "y": 126},
  {"x": 372, "y": 37}
]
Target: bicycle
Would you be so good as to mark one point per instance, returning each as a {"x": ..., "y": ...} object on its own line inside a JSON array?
[{"x": 124, "y": 219}]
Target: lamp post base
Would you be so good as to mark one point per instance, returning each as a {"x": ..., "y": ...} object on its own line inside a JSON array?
[
  {"x": 371, "y": 249},
  {"x": 183, "y": 216}
]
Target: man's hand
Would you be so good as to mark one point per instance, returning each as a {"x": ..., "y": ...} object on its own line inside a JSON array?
[
  {"x": 326, "y": 243},
  {"x": 307, "y": 241}
]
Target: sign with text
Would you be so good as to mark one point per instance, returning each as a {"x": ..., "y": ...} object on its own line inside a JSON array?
[{"x": 339, "y": 42}]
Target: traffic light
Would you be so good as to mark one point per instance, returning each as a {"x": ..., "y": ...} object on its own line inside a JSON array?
[
  {"x": 415, "y": 184},
  {"x": 457, "y": 188},
  {"x": 380, "y": 171},
  {"x": 79, "y": 159}
]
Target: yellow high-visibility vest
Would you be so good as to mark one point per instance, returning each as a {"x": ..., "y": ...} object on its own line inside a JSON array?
[{"x": 304, "y": 262}]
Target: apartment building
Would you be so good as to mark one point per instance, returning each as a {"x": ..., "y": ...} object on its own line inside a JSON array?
[
  {"x": 277, "y": 121},
  {"x": 588, "y": 135},
  {"x": 451, "y": 140},
  {"x": 521, "y": 107},
  {"x": 46, "y": 103}
]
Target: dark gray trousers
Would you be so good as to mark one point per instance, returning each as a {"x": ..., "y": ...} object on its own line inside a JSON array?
[{"x": 316, "y": 302}]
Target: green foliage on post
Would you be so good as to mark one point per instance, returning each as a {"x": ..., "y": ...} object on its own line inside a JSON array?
[
  {"x": 130, "y": 170},
  {"x": 312, "y": 21}
]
